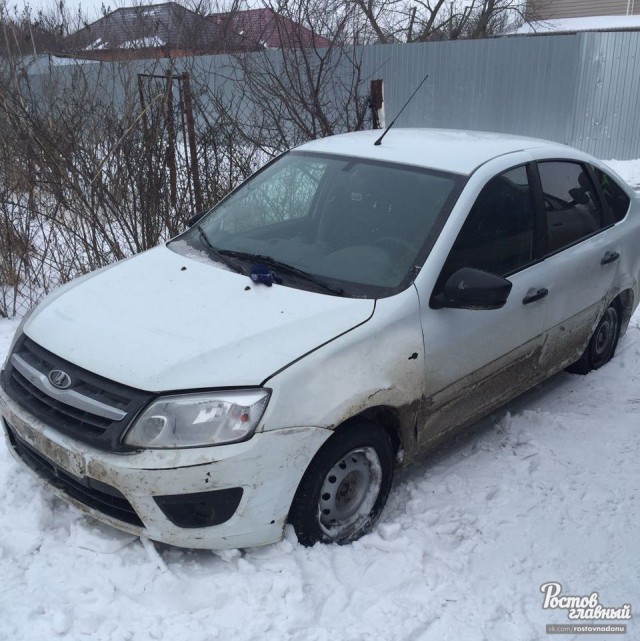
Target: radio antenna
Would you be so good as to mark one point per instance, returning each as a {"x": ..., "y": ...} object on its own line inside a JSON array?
[{"x": 384, "y": 133}]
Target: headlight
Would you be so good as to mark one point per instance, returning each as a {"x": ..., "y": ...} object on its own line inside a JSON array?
[{"x": 197, "y": 420}]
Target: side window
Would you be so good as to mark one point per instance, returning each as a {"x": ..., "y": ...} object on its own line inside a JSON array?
[
  {"x": 498, "y": 234},
  {"x": 615, "y": 196},
  {"x": 570, "y": 203}
]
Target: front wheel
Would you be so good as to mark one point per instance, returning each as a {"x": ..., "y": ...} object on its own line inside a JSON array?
[
  {"x": 345, "y": 487},
  {"x": 602, "y": 345}
]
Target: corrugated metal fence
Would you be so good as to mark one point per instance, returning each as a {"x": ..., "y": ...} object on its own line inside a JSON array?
[{"x": 582, "y": 90}]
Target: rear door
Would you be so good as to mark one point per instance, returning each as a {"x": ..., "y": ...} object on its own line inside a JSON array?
[{"x": 581, "y": 259}]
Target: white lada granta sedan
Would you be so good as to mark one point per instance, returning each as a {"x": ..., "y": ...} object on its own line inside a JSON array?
[{"x": 345, "y": 308}]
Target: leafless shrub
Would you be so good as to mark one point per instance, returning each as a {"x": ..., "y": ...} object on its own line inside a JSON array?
[
  {"x": 387, "y": 21},
  {"x": 100, "y": 160}
]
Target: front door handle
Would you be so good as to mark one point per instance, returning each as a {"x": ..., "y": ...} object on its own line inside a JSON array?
[
  {"x": 532, "y": 298},
  {"x": 609, "y": 257}
]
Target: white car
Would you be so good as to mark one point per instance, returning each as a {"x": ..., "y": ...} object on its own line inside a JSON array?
[{"x": 347, "y": 307}]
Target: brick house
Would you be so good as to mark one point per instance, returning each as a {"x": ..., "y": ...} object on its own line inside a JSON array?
[{"x": 152, "y": 31}]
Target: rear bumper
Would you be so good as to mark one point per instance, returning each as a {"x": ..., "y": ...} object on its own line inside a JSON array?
[{"x": 248, "y": 485}]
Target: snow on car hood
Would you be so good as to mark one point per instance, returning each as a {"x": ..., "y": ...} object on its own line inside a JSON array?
[{"x": 161, "y": 321}]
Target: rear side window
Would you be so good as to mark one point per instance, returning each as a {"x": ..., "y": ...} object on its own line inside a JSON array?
[
  {"x": 614, "y": 195},
  {"x": 570, "y": 202},
  {"x": 498, "y": 234}
]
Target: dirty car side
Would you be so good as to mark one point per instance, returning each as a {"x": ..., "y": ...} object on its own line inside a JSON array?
[{"x": 394, "y": 295}]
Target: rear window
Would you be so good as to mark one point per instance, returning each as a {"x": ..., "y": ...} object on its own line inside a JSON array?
[
  {"x": 614, "y": 195},
  {"x": 570, "y": 203}
]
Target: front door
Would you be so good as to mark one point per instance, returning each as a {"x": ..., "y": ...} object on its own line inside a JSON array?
[{"x": 477, "y": 359}]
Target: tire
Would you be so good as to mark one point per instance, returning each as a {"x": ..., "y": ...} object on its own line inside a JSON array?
[
  {"x": 345, "y": 486},
  {"x": 602, "y": 345}
]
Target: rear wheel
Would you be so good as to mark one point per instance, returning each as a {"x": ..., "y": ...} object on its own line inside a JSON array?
[
  {"x": 345, "y": 487},
  {"x": 602, "y": 345}
]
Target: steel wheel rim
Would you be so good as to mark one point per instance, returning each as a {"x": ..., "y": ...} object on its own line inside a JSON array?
[
  {"x": 349, "y": 492},
  {"x": 604, "y": 338}
]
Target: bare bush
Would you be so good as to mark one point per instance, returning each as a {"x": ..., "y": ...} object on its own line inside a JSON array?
[
  {"x": 388, "y": 21},
  {"x": 101, "y": 160}
]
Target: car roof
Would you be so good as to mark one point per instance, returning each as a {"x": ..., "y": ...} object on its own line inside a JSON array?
[{"x": 451, "y": 150}]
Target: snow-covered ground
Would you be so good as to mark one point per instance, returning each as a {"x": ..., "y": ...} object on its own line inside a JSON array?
[{"x": 547, "y": 489}]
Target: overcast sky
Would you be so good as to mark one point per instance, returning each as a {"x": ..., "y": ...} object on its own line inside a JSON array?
[
  {"x": 93, "y": 9},
  {"x": 89, "y": 8}
]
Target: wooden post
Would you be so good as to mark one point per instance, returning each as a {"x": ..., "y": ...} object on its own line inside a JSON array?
[
  {"x": 191, "y": 134},
  {"x": 171, "y": 142}
]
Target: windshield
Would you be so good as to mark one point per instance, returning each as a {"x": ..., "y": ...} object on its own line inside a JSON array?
[{"x": 340, "y": 225}]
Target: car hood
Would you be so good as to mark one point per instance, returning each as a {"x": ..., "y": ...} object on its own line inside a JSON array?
[{"x": 161, "y": 321}]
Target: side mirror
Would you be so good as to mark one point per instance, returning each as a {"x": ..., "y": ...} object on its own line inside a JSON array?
[
  {"x": 192, "y": 220},
  {"x": 470, "y": 288}
]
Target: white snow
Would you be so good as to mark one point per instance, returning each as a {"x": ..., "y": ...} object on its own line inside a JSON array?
[
  {"x": 546, "y": 489},
  {"x": 95, "y": 45},
  {"x": 58, "y": 61},
  {"x": 144, "y": 43},
  {"x": 627, "y": 169},
  {"x": 138, "y": 43},
  {"x": 590, "y": 23}
]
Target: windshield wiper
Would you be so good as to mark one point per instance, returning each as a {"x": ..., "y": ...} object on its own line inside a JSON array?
[
  {"x": 267, "y": 261},
  {"x": 219, "y": 255}
]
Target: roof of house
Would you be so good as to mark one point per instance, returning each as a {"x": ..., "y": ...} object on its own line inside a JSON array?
[
  {"x": 573, "y": 25},
  {"x": 269, "y": 29},
  {"x": 159, "y": 26}
]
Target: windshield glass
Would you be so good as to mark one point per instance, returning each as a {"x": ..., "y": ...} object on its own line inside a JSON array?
[{"x": 340, "y": 225}]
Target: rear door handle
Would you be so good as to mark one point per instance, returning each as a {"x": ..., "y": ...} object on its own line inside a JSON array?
[
  {"x": 609, "y": 257},
  {"x": 532, "y": 298}
]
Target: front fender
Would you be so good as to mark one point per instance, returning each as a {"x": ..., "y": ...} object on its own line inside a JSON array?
[{"x": 379, "y": 363}]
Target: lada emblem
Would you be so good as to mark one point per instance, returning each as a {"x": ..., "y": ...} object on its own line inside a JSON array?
[{"x": 59, "y": 379}]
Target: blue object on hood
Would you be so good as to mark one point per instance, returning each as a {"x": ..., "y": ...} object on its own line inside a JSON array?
[{"x": 263, "y": 274}]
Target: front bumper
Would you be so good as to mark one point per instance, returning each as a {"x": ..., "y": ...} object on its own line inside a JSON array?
[{"x": 267, "y": 468}]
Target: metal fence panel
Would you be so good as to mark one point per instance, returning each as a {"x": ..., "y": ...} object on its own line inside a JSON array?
[
  {"x": 605, "y": 115},
  {"x": 578, "y": 89}
]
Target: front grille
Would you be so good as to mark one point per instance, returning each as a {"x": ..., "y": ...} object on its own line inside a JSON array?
[
  {"x": 93, "y": 493},
  {"x": 87, "y": 426}
]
